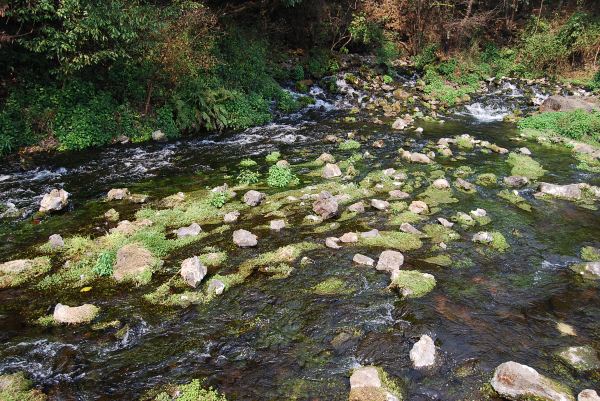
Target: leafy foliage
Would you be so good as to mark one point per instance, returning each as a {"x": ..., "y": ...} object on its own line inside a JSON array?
[
  {"x": 218, "y": 199},
  {"x": 281, "y": 177},
  {"x": 248, "y": 177},
  {"x": 104, "y": 264},
  {"x": 576, "y": 124}
]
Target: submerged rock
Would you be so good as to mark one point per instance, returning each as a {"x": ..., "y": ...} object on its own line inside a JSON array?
[
  {"x": 363, "y": 260},
  {"x": 464, "y": 185},
  {"x": 367, "y": 385},
  {"x": 133, "y": 262},
  {"x": 54, "y": 201},
  {"x": 326, "y": 205},
  {"x": 516, "y": 181},
  {"x": 583, "y": 358},
  {"x": 244, "y": 238},
  {"x": 483, "y": 237},
  {"x": 331, "y": 171},
  {"x": 519, "y": 382},
  {"x": 76, "y": 314},
  {"x": 127, "y": 227},
  {"x": 415, "y": 157},
  {"x": 192, "y": 230},
  {"x": 570, "y": 191},
  {"x": 254, "y": 198},
  {"x": 111, "y": 215},
  {"x": 117, "y": 194},
  {"x": 390, "y": 261},
  {"x": 444, "y": 222},
  {"x": 422, "y": 354},
  {"x": 192, "y": 271}
]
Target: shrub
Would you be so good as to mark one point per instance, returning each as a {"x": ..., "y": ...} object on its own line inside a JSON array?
[
  {"x": 247, "y": 163},
  {"x": 576, "y": 124},
  {"x": 104, "y": 264},
  {"x": 248, "y": 177},
  {"x": 281, "y": 177},
  {"x": 426, "y": 57},
  {"x": 273, "y": 157},
  {"x": 218, "y": 199}
]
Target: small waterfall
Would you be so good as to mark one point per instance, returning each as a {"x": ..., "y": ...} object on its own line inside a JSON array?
[{"x": 486, "y": 113}]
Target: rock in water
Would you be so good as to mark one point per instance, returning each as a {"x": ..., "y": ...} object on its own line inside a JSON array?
[
  {"x": 54, "y": 201},
  {"x": 326, "y": 205},
  {"x": 422, "y": 353},
  {"x": 132, "y": 262},
  {"x": 357, "y": 207},
  {"x": 332, "y": 242},
  {"x": 76, "y": 314},
  {"x": 253, "y": 198},
  {"x": 348, "y": 238},
  {"x": 441, "y": 183},
  {"x": 191, "y": 231},
  {"x": 331, "y": 171},
  {"x": 418, "y": 207},
  {"x": 277, "y": 225},
  {"x": 583, "y": 358},
  {"x": 516, "y": 181},
  {"x": 517, "y": 382},
  {"x": 363, "y": 260},
  {"x": 483, "y": 237},
  {"x": 216, "y": 287},
  {"x": 244, "y": 238},
  {"x": 117, "y": 194},
  {"x": 380, "y": 204},
  {"x": 568, "y": 103},
  {"x": 16, "y": 266},
  {"x": 390, "y": 261},
  {"x": 192, "y": 271},
  {"x": 367, "y": 376}
]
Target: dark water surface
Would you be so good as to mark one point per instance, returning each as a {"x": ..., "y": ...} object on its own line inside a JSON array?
[{"x": 271, "y": 339}]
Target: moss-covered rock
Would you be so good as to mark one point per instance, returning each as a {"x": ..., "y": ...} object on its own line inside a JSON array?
[
  {"x": 16, "y": 387},
  {"x": 412, "y": 283},
  {"x": 524, "y": 165}
]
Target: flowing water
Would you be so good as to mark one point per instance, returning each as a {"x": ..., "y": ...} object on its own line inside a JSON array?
[{"x": 271, "y": 339}]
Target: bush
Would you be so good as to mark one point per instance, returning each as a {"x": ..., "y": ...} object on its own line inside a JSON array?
[
  {"x": 273, "y": 157},
  {"x": 218, "y": 199},
  {"x": 248, "y": 177},
  {"x": 247, "y": 163},
  {"x": 576, "y": 124},
  {"x": 104, "y": 264},
  {"x": 426, "y": 57},
  {"x": 281, "y": 177}
]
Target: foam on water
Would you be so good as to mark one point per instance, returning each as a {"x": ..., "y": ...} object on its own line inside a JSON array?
[{"x": 487, "y": 113}]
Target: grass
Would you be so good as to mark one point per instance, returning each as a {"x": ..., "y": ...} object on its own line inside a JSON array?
[
  {"x": 514, "y": 198},
  {"x": 440, "y": 260},
  {"x": 38, "y": 267},
  {"x": 349, "y": 144},
  {"x": 438, "y": 233},
  {"x": 393, "y": 240},
  {"x": 590, "y": 254},
  {"x": 331, "y": 286},
  {"x": 16, "y": 387}
]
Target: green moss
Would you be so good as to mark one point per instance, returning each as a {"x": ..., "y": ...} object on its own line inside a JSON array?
[
  {"x": 16, "y": 387},
  {"x": 464, "y": 142},
  {"x": 349, "y": 144},
  {"x": 212, "y": 259},
  {"x": 463, "y": 219},
  {"x": 280, "y": 271},
  {"x": 45, "y": 321},
  {"x": 247, "y": 163},
  {"x": 405, "y": 217},
  {"x": 463, "y": 171},
  {"x": 413, "y": 284},
  {"x": 438, "y": 233},
  {"x": 487, "y": 179},
  {"x": 588, "y": 163},
  {"x": 434, "y": 197},
  {"x": 514, "y": 198},
  {"x": 440, "y": 260},
  {"x": 391, "y": 385},
  {"x": 590, "y": 254},
  {"x": 525, "y": 166},
  {"x": 332, "y": 286},
  {"x": 393, "y": 240},
  {"x": 499, "y": 242},
  {"x": 38, "y": 267}
]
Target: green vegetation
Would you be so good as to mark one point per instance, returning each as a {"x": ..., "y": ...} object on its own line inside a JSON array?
[
  {"x": 499, "y": 242},
  {"x": 273, "y": 157},
  {"x": 248, "y": 177},
  {"x": 486, "y": 179},
  {"x": 413, "y": 284},
  {"x": 281, "y": 177},
  {"x": 393, "y": 240},
  {"x": 104, "y": 264},
  {"x": 192, "y": 391},
  {"x": 590, "y": 254},
  {"x": 247, "y": 163},
  {"x": 16, "y": 387},
  {"x": 349, "y": 144},
  {"x": 525, "y": 166},
  {"x": 218, "y": 199},
  {"x": 34, "y": 268},
  {"x": 332, "y": 286},
  {"x": 577, "y": 124}
]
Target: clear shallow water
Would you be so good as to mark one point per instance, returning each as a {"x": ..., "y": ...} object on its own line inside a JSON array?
[{"x": 271, "y": 339}]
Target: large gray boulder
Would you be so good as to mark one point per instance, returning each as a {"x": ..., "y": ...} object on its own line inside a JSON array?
[
  {"x": 331, "y": 171},
  {"x": 582, "y": 358},
  {"x": 390, "y": 261},
  {"x": 192, "y": 230},
  {"x": 519, "y": 382},
  {"x": 253, "y": 198},
  {"x": 569, "y": 103},
  {"x": 570, "y": 191},
  {"x": 588, "y": 395}
]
